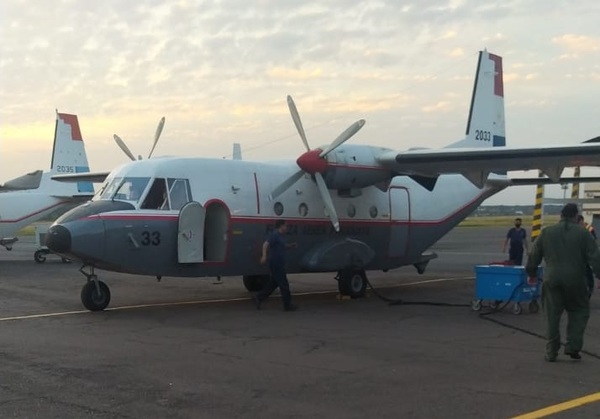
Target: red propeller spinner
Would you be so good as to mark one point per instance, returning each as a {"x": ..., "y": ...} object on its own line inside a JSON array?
[{"x": 314, "y": 162}]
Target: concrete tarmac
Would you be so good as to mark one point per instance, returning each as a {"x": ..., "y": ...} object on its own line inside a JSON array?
[{"x": 189, "y": 348}]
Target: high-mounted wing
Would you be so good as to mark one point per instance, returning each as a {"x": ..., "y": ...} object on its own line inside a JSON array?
[
  {"x": 477, "y": 163},
  {"x": 29, "y": 181}
]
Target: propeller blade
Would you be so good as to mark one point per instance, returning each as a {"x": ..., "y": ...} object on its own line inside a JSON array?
[
  {"x": 297, "y": 122},
  {"x": 123, "y": 147},
  {"x": 286, "y": 184},
  {"x": 159, "y": 129},
  {"x": 327, "y": 201},
  {"x": 343, "y": 137}
]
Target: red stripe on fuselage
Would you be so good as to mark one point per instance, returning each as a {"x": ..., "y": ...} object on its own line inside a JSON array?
[
  {"x": 267, "y": 220},
  {"x": 16, "y": 220},
  {"x": 304, "y": 220}
]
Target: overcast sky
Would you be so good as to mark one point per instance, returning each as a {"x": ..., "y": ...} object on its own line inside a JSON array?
[{"x": 219, "y": 71}]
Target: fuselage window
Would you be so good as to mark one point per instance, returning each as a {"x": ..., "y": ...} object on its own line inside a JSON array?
[
  {"x": 157, "y": 197},
  {"x": 373, "y": 211},
  {"x": 179, "y": 193},
  {"x": 351, "y": 210},
  {"x": 278, "y": 208},
  {"x": 125, "y": 189},
  {"x": 109, "y": 188},
  {"x": 303, "y": 209}
]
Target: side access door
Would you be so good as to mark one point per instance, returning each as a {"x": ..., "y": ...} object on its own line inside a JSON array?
[
  {"x": 399, "y": 222},
  {"x": 190, "y": 234}
]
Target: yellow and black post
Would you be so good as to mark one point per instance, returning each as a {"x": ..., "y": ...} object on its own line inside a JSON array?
[
  {"x": 575, "y": 190},
  {"x": 536, "y": 226}
]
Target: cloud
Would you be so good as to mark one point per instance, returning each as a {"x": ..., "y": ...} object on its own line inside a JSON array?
[
  {"x": 294, "y": 74},
  {"x": 578, "y": 44},
  {"x": 220, "y": 71},
  {"x": 439, "y": 107}
]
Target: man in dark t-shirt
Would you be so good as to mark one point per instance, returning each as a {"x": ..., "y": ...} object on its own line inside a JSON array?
[
  {"x": 274, "y": 249},
  {"x": 517, "y": 238}
]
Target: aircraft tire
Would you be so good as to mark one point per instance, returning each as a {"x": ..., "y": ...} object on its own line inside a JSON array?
[
  {"x": 39, "y": 256},
  {"x": 255, "y": 283},
  {"x": 352, "y": 282},
  {"x": 91, "y": 299}
]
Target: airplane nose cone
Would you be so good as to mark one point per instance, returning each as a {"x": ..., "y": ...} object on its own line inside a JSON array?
[{"x": 58, "y": 239}]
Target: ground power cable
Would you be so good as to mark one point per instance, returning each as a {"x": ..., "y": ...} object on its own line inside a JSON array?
[{"x": 483, "y": 315}]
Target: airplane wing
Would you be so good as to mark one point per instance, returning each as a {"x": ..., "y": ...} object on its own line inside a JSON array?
[
  {"x": 29, "y": 181},
  {"x": 96, "y": 177},
  {"x": 477, "y": 163}
]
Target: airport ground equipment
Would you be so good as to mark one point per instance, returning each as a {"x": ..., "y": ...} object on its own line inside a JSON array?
[
  {"x": 505, "y": 284},
  {"x": 40, "y": 240}
]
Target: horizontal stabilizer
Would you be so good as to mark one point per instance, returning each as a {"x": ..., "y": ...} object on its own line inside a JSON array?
[
  {"x": 96, "y": 177},
  {"x": 29, "y": 181},
  {"x": 548, "y": 181},
  {"x": 578, "y": 201}
]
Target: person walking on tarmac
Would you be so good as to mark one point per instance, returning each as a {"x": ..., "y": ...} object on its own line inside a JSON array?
[
  {"x": 567, "y": 249},
  {"x": 274, "y": 248},
  {"x": 587, "y": 226},
  {"x": 588, "y": 271},
  {"x": 517, "y": 238}
]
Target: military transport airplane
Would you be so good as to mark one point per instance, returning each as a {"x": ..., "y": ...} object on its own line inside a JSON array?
[
  {"x": 351, "y": 208},
  {"x": 34, "y": 196}
]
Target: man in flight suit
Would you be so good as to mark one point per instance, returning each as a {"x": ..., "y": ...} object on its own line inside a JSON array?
[
  {"x": 567, "y": 249},
  {"x": 274, "y": 248}
]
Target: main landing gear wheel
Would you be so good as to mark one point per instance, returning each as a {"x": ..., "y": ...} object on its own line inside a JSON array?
[
  {"x": 352, "y": 282},
  {"x": 95, "y": 295},
  {"x": 255, "y": 283},
  {"x": 39, "y": 256}
]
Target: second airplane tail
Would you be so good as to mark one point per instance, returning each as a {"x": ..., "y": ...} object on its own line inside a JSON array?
[{"x": 68, "y": 153}]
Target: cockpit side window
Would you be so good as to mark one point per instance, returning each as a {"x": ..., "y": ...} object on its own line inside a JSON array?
[
  {"x": 179, "y": 193},
  {"x": 157, "y": 197},
  {"x": 109, "y": 188}
]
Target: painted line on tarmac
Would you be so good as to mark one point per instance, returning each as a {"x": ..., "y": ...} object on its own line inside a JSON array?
[
  {"x": 214, "y": 301},
  {"x": 561, "y": 407}
]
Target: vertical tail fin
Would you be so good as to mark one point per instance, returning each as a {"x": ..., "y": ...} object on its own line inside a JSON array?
[
  {"x": 237, "y": 151},
  {"x": 68, "y": 153},
  {"x": 486, "y": 125}
]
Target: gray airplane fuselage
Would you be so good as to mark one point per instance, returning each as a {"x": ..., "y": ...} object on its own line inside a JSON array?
[{"x": 384, "y": 229}]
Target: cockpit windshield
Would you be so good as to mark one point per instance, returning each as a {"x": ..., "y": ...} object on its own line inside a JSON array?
[{"x": 124, "y": 189}]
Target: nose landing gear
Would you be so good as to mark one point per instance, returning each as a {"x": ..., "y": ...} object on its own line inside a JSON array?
[{"x": 95, "y": 294}]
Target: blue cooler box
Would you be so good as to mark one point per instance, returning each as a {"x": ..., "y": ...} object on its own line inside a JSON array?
[{"x": 505, "y": 283}]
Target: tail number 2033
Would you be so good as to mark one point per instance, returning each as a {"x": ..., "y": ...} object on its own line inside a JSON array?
[{"x": 481, "y": 135}]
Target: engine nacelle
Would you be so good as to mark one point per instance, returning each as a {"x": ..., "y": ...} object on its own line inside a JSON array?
[{"x": 354, "y": 167}]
